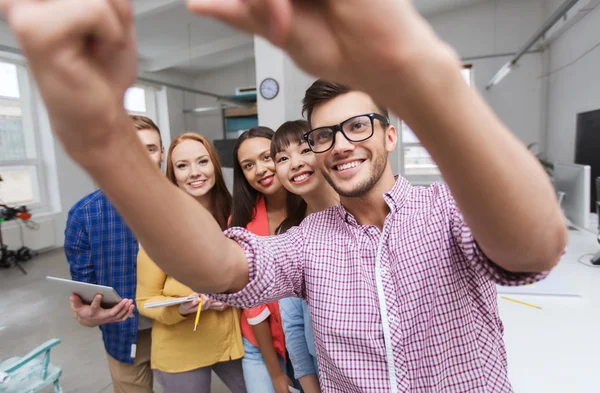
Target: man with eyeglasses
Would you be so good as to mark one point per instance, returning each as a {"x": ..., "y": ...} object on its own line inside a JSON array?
[{"x": 401, "y": 290}]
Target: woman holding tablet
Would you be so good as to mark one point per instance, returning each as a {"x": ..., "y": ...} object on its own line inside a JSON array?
[{"x": 182, "y": 360}]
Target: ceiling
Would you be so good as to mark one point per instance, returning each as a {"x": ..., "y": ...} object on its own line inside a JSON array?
[{"x": 170, "y": 38}]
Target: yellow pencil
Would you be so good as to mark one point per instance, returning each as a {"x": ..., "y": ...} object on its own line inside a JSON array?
[
  {"x": 198, "y": 314},
  {"x": 520, "y": 302}
]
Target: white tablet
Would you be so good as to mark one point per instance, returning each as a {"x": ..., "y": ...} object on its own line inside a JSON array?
[{"x": 86, "y": 291}]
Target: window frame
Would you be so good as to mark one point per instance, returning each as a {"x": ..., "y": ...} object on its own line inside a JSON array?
[{"x": 31, "y": 134}]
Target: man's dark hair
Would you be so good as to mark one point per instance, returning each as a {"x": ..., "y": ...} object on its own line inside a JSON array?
[{"x": 323, "y": 91}]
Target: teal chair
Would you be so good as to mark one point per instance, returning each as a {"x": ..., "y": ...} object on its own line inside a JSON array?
[{"x": 28, "y": 374}]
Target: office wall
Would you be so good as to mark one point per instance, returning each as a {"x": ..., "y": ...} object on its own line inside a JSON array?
[
  {"x": 222, "y": 81},
  {"x": 481, "y": 34},
  {"x": 271, "y": 62},
  {"x": 574, "y": 83}
]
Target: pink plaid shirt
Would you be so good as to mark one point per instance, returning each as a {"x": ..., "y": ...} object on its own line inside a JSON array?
[{"x": 412, "y": 308}]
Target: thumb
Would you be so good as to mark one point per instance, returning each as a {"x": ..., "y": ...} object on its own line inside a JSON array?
[{"x": 76, "y": 303}]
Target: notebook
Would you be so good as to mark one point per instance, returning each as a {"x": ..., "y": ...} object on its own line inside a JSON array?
[{"x": 170, "y": 302}]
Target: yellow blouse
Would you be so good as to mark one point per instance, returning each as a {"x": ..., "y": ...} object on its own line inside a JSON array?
[{"x": 175, "y": 345}]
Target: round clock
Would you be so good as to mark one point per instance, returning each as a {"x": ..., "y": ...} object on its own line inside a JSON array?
[{"x": 269, "y": 88}]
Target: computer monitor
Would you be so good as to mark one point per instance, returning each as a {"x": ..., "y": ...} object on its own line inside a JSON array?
[{"x": 574, "y": 181}]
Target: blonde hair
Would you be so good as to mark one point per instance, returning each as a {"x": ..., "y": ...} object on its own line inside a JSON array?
[{"x": 145, "y": 123}]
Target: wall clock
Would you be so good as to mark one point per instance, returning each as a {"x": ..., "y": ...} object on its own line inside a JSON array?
[{"x": 269, "y": 88}]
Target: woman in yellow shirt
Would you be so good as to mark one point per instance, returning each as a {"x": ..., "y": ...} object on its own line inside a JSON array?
[{"x": 182, "y": 360}]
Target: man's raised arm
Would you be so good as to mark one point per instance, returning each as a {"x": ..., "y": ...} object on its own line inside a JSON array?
[
  {"x": 83, "y": 58},
  {"x": 385, "y": 48}
]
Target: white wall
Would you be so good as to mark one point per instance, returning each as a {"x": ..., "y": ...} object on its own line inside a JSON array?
[
  {"x": 272, "y": 62},
  {"x": 572, "y": 88},
  {"x": 495, "y": 28},
  {"x": 222, "y": 81},
  {"x": 297, "y": 83}
]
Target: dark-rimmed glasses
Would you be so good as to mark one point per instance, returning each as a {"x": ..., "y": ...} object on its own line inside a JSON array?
[{"x": 355, "y": 129}]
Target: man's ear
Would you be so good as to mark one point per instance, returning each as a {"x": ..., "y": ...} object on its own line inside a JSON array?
[
  {"x": 162, "y": 154},
  {"x": 391, "y": 138}
]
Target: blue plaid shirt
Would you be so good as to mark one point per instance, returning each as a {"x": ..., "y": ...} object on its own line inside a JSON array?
[{"x": 102, "y": 250}]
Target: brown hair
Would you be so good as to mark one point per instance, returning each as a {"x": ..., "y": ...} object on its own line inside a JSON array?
[
  {"x": 288, "y": 133},
  {"x": 220, "y": 196},
  {"x": 145, "y": 123},
  {"x": 244, "y": 195},
  {"x": 323, "y": 91}
]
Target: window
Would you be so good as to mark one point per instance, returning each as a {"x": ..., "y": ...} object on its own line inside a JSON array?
[
  {"x": 417, "y": 165},
  {"x": 20, "y": 166},
  {"x": 150, "y": 101},
  {"x": 141, "y": 100}
]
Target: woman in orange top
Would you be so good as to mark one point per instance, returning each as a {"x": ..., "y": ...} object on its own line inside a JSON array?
[{"x": 259, "y": 204}]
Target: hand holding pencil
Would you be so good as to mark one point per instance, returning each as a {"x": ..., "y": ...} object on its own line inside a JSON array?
[{"x": 192, "y": 306}]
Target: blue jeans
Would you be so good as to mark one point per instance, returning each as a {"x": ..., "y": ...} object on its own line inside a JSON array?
[{"x": 256, "y": 374}]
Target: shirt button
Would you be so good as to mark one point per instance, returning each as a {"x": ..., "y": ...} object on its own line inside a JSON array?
[
  {"x": 391, "y": 319},
  {"x": 383, "y": 271}
]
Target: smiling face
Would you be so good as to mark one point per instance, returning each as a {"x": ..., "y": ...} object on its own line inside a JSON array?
[
  {"x": 193, "y": 169},
  {"x": 353, "y": 168},
  {"x": 298, "y": 170},
  {"x": 254, "y": 156}
]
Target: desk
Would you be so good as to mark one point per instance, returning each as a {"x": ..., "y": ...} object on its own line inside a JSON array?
[{"x": 557, "y": 349}]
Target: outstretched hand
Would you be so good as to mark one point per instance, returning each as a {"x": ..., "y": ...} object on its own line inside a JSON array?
[{"x": 83, "y": 56}]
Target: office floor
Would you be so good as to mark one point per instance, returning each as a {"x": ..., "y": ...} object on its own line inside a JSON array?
[{"x": 32, "y": 314}]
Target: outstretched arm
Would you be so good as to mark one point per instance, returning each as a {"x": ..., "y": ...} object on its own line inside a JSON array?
[
  {"x": 82, "y": 55},
  {"x": 502, "y": 190}
]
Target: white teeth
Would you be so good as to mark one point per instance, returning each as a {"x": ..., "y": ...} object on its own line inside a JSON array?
[
  {"x": 301, "y": 177},
  {"x": 197, "y": 183},
  {"x": 348, "y": 165}
]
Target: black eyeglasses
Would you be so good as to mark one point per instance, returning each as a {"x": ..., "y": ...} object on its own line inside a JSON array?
[{"x": 355, "y": 129}]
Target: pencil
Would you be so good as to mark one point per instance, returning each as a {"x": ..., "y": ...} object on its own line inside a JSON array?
[
  {"x": 520, "y": 302},
  {"x": 198, "y": 314}
]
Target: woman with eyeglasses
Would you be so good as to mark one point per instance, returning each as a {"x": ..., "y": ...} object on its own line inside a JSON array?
[
  {"x": 260, "y": 204},
  {"x": 298, "y": 172}
]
